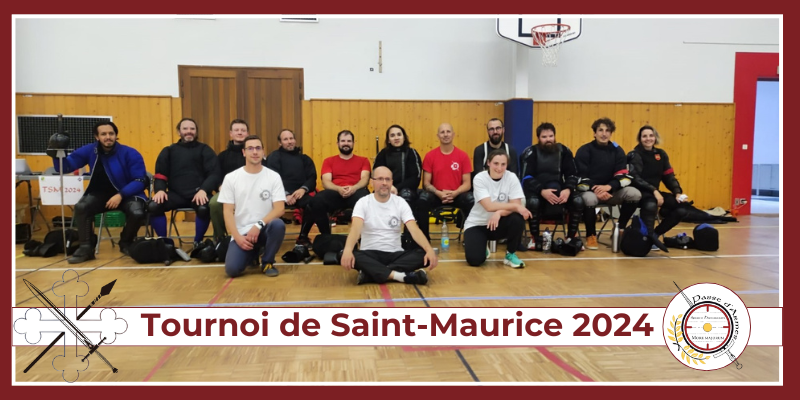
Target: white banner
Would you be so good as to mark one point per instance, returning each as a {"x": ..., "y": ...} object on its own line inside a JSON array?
[
  {"x": 363, "y": 326},
  {"x": 50, "y": 189}
]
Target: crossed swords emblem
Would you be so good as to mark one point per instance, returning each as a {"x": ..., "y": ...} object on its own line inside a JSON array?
[{"x": 105, "y": 290}]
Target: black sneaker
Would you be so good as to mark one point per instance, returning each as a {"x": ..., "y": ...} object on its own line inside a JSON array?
[
  {"x": 82, "y": 254},
  {"x": 362, "y": 278},
  {"x": 418, "y": 277}
]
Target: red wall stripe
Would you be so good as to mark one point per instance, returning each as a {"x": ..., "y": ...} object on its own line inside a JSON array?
[{"x": 749, "y": 67}]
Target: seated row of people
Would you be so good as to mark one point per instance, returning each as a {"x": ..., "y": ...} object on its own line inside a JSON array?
[{"x": 188, "y": 171}]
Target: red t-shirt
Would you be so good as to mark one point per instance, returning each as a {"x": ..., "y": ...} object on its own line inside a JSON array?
[
  {"x": 447, "y": 169},
  {"x": 345, "y": 172}
]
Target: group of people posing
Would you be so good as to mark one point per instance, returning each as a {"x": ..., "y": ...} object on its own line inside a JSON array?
[{"x": 496, "y": 193}]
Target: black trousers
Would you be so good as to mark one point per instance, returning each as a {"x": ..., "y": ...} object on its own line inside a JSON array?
[
  {"x": 90, "y": 205},
  {"x": 510, "y": 227},
  {"x": 330, "y": 200},
  {"x": 539, "y": 207},
  {"x": 428, "y": 201},
  {"x": 174, "y": 200},
  {"x": 377, "y": 265},
  {"x": 308, "y": 219},
  {"x": 672, "y": 212}
]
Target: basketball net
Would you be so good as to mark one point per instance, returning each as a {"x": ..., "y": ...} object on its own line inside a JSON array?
[{"x": 549, "y": 38}]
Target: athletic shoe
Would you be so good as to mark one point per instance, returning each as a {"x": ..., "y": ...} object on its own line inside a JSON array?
[
  {"x": 269, "y": 270},
  {"x": 363, "y": 278},
  {"x": 591, "y": 242},
  {"x": 418, "y": 277},
  {"x": 513, "y": 261}
]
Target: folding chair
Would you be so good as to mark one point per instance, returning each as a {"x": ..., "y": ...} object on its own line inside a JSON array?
[{"x": 449, "y": 214}]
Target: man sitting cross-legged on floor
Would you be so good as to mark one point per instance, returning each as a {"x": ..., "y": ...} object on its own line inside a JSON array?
[{"x": 378, "y": 220}]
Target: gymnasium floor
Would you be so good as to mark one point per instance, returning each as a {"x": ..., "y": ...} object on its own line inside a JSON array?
[{"x": 747, "y": 263}]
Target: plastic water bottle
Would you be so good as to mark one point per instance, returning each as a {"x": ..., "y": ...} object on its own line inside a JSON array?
[
  {"x": 445, "y": 237},
  {"x": 615, "y": 238},
  {"x": 547, "y": 240}
]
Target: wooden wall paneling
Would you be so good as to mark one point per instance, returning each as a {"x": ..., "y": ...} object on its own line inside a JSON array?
[
  {"x": 289, "y": 112},
  {"x": 698, "y": 137},
  {"x": 369, "y": 121},
  {"x": 304, "y": 130},
  {"x": 679, "y": 142},
  {"x": 130, "y": 118},
  {"x": 411, "y": 123}
]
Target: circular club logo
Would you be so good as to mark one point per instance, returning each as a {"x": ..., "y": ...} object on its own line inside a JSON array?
[{"x": 706, "y": 327}]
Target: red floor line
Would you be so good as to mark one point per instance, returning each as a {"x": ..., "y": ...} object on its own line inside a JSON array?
[
  {"x": 390, "y": 303},
  {"x": 214, "y": 300},
  {"x": 172, "y": 349},
  {"x": 386, "y": 295},
  {"x": 561, "y": 363},
  {"x": 159, "y": 364}
]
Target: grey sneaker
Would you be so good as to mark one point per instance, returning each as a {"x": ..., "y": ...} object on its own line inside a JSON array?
[{"x": 269, "y": 270}]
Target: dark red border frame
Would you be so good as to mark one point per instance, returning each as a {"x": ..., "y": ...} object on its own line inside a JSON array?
[{"x": 406, "y": 7}]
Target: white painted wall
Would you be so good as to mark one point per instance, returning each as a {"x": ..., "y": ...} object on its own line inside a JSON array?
[
  {"x": 648, "y": 60},
  {"x": 423, "y": 58}
]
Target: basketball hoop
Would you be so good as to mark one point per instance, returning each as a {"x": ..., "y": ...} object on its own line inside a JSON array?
[{"x": 549, "y": 38}]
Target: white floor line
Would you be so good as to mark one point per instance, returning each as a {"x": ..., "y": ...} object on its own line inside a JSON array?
[{"x": 621, "y": 258}]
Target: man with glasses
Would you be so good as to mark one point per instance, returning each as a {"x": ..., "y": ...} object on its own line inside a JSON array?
[
  {"x": 345, "y": 177},
  {"x": 230, "y": 159},
  {"x": 496, "y": 133},
  {"x": 252, "y": 199},
  {"x": 378, "y": 220}
]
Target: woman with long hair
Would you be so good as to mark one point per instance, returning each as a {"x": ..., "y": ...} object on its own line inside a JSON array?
[
  {"x": 649, "y": 167},
  {"x": 404, "y": 161}
]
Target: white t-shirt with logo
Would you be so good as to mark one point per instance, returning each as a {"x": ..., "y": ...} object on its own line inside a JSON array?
[
  {"x": 383, "y": 222},
  {"x": 251, "y": 194},
  {"x": 502, "y": 191}
]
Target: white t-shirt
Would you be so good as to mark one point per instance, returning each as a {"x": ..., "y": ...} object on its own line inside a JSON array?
[
  {"x": 251, "y": 194},
  {"x": 383, "y": 222},
  {"x": 502, "y": 191}
]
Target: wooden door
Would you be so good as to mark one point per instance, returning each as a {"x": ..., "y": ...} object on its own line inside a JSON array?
[
  {"x": 209, "y": 96},
  {"x": 273, "y": 102},
  {"x": 269, "y": 99}
]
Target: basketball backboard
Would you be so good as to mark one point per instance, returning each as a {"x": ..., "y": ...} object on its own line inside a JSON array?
[{"x": 519, "y": 29}]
